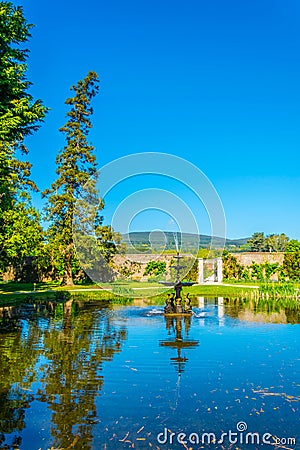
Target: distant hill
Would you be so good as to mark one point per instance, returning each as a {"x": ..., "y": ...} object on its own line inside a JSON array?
[{"x": 140, "y": 240}]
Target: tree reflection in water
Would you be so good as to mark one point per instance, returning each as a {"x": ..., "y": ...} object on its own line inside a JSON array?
[
  {"x": 16, "y": 374},
  {"x": 74, "y": 339}
]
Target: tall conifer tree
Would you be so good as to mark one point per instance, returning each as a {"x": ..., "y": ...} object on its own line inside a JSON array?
[{"x": 76, "y": 164}]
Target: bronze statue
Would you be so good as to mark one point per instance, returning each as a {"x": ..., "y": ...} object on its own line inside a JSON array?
[
  {"x": 179, "y": 308},
  {"x": 187, "y": 304},
  {"x": 173, "y": 302},
  {"x": 168, "y": 309},
  {"x": 174, "y": 306}
]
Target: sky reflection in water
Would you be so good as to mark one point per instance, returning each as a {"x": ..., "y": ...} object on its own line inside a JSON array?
[{"x": 93, "y": 376}]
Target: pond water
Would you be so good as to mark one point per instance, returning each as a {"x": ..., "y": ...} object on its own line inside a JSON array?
[{"x": 89, "y": 375}]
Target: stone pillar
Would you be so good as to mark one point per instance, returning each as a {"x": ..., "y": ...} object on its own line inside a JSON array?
[
  {"x": 219, "y": 270},
  {"x": 200, "y": 271}
]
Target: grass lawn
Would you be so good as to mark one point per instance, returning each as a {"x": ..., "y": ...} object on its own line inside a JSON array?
[
  {"x": 26, "y": 287},
  {"x": 135, "y": 288},
  {"x": 217, "y": 290},
  {"x": 16, "y": 292}
]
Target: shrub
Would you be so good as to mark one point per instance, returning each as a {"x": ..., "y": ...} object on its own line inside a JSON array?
[
  {"x": 155, "y": 268},
  {"x": 291, "y": 265},
  {"x": 231, "y": 267}
]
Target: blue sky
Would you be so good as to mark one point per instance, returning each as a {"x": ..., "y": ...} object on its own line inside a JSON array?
[{"x": 215, "y": 82}]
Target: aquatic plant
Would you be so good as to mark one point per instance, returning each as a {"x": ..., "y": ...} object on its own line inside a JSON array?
[{"x": 276, "y": 289}]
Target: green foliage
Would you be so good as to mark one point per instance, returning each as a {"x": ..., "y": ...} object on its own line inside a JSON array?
[
  {"x": 129, "y": 268},
  {"x": 274, "y": 289},
  {"x": 203, "y": 253},
  {"x": 246, "y": 276},
  {"x": 231, "y": 267},
  {"x": 20, "y": 116},
  {"x": 257, "y": 242},
  {"x": 270, "y": 269},
  {"x": 291, "y": 265},
  {"x": 271, "y": 243},
  {"x": 293, "y": 246},
  {"x": 62, "y": 295},
  {"x": 246, "y": 247},
  {"x": 274, "y": 298},
  {"x": 259, "y": 272},
  {"x": 21, "y": 236},
  {"x": 108, "y": 241},
  {"x": 155, "y": 268},
  {"x": 256, "y": 271},
  {"x": 76, "y": 169},
  {"x": 276, "y": 242},
  {"x": 192, "y": 275},
  {"x": 76, "y": 165},
  {"x": 19, "y": 113}
]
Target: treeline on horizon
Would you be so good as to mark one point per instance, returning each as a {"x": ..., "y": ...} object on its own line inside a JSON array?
[
  {"x": 258, "y": 242},
  {"x": 27, "y": 251}
]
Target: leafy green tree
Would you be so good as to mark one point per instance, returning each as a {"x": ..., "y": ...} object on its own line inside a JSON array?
[
  {"x": 76, "y": 166},
  {"x": 49, "y": 263},
  {"x": 108, "y": 240},
  {"x": 291, "y": 265},
  {"x": 293, "y": 246},
  {"x": 20, "y": 116},
  {"x": 276, "y": 242},
  {"x": 19, "y": 113},
  {"x": 22, "y": 237},
  {"x": 231, "y": 267},
  {"x": 257, "y": 242}
]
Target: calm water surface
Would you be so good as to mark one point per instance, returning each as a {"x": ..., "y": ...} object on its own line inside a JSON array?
[{"x": 97, "y": 376}]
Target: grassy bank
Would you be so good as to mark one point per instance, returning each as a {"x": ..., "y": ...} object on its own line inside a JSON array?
[
  {"x": 217, "y": 290},
  {"x": 120, "y": 293},
  {"x": 134, "y": 289}
]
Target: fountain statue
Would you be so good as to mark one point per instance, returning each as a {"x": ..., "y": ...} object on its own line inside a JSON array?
[{"x": 174, "y": 303}]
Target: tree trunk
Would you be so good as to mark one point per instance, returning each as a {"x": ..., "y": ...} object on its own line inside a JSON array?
[{"x": 67, "y": 277}]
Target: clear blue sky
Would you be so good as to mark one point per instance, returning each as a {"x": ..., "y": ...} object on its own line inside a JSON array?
[{"x": 215, "y": 82}]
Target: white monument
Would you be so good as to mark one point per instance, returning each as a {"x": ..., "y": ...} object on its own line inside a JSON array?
[{"x": 213, "y": 272}]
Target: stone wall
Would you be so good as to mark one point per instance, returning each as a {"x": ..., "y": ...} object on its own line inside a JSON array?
[
  {"x": 138, "y": 262},
  {"x": 246, "y": 259}
]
